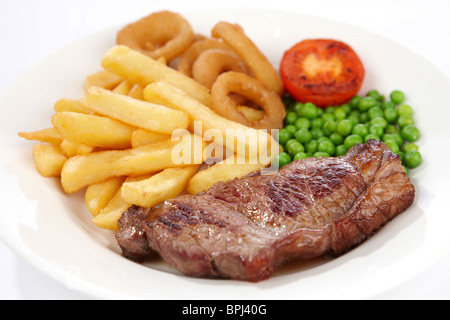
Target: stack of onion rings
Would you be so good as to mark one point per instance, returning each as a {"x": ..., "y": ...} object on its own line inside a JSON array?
[
  {"x": 213, "y": 62},
  {"x": 234, "y": 36},
  {"x": 188, "y": 57},
  {"x": 244, "y": 86},
  {"x": 161, "y": 34},
  {"x": 251, "y": 88}
]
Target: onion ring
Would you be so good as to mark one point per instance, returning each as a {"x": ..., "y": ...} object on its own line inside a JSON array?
[
  {"x": 213, "y": 62},
  {"x": 252, "y": 89},
  {"x": 161, "y": 34},
  {"x": 188, "y": 57},
  {"x": 262, "y": 69}
]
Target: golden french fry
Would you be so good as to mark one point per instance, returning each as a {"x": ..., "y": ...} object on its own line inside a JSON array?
[
  {"x": 251, "y": 114},
  {"x": 109, "y": 216},
  {"x": 72, "y": 149},
  {"x": 98, "y": 195},
  {"x": 141, "y": 69},
  {"x": 103, "y": 79},
  {"x": 137, "y": 92},
  {"x": 48, "y": 160},
  {"x": 245, "y": 141},
  {"x": 124, "y": 87},
  {"x": 71, "y": 105},
  {"x": 135, "y": 112},
  {"x": 228, "y": 169},
  {"x": 162, "y": 186},
  {"x": 81, "y": 171},
  {"x": 93, "y": 130},
  {"x": 141, "y": 137},
  {"x": 48, "y": 135}
]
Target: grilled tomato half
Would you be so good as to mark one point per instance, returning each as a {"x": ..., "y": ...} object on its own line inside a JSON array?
[{"x": 322, "y": 71}]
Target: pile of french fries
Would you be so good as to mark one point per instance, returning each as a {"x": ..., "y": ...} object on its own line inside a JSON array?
[{"x": 117, "y": 142}]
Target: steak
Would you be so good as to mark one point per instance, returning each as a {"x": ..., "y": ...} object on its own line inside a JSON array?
[{"x": 244, "y": 229}]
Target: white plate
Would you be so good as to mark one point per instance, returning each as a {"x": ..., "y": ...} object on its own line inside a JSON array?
[{"x": 53, "y": 231}]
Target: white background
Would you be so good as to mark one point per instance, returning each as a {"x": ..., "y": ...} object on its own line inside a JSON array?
[{"x": 32, "y": 29}]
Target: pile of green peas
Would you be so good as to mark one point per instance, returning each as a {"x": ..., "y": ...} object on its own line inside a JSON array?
[{"x": 310, "y": 131}]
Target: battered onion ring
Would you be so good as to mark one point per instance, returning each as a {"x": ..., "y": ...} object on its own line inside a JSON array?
[
  {"x": 213, "y": 62},
  {"x": 188, "y": 57},
  {"x": 234, "y": 36},
  {"x": 252, "y": 89},
  {"x": 161, "y": 34}
]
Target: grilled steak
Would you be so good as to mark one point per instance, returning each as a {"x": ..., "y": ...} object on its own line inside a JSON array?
[{"x": 245, "y": 228}]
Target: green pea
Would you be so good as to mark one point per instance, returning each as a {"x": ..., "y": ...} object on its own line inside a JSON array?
[
  {"x": 311, "y": 147},
  {"x": 366, "y": 103},
  {"x": 283, "y": 136},
  {"x": 300, "y": 155},
  {"x": 317, "y": 123},
  {"x": 397, "y": 96},
  {"x": 409, "y": 147},
  {"x": 371, "y": 136},
  {"x": 291, "y": 117},
  {"x": 405, "y": 168},
  {"x": 364, "y": 117},
  {"x": 404, "y": 120},
  {"x": 328, "y": 117},
  {"x": 320, "y": 154},
  {"x": 405, "y": 110},
  {"x": 329, "y": 127},
  {"x": 317, "y": 133},
  {"x": 336, "y": 138},
  {"x": 412, "y": 159},
  {"x": 339, "y": 113},
  {"x": 388, "y": 104},
  {"x": 281, "y": 159},
  {"x": 340, "y": 150},
  {"x": 293, "y": 147},
  {"x": 352, "y": 140},
  {"x": 326, "y": 146},
  {"x": 376, "y": 130},
  {"x": 310, "y": 111},
  {"x": 302, "y": 123},
  {"x": 291, "y": 128},
  {"x": 393, "y": 146},
  {"x": 375, "y": 112},
  {"x": 379, "y": 121},
  {"x": 391, "y": 115},
  {"x": 322, "y": 139},
  {"x": 344, "y": 127},
  {"x": 354, "y": 102},
  {"x": 396, "y": 137},
  {"x": 303, "y": 135},
  {"x": 392, "y": 128},
  {"x": 360, "y": 130},
  {"x": 410, "y": 133},
  {"x": 375, "y": 94},
  {"x": 298, "y": 108}
]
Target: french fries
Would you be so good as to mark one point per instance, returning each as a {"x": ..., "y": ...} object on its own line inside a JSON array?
[
  {"x": 71, "y": 105},
  {"x": 97, "y": 131},
  {"x": 133, "y": 138},
  {"x": 98, "y": 195},
  {"x": 135, "y": 112},
  {"x": 81, "y": 171},
  {"x": 162, "y": 186},
  {"x": 48, "y": 159},
  {"x": 109, "y": 215},
  {"x": 49, "y": 135},
  {"x": 247, "y": 142},
  {"x": 143, "y": 70},
  {"x": 103, "y": 79},
  {"x": 228, "y": 169}
]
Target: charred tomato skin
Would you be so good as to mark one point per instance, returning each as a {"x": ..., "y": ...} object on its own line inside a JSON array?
[{"x": 325, "y": 72}]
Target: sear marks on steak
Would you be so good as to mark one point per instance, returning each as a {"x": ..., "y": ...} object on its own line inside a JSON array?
[{"x": 246, "y": 228}]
